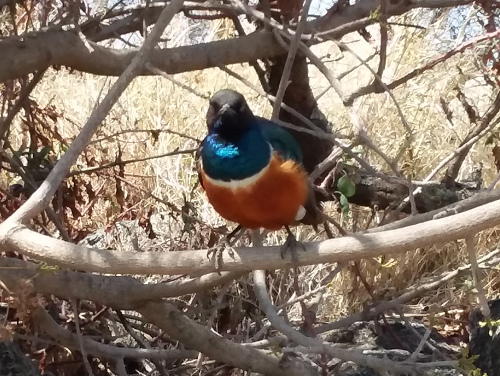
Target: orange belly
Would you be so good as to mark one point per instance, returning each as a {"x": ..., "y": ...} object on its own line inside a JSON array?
[{"x": 271, "y": 202}]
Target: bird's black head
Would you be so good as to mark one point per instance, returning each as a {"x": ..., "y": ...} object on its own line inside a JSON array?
[{"x": 228, "y": 114}]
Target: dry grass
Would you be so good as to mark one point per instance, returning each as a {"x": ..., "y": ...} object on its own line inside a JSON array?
[{"x": 154, "y": 103}]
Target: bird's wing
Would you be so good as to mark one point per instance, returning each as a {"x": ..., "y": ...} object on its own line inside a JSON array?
[
  {"x": 288, "y": 148},
  {"x": 281, "y": 141}
]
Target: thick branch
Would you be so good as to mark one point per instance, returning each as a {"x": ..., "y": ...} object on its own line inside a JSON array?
[
  {"x": 120, "y": 292},
  {"x": 45, "y": 322},
  {"x": 66, "y": 48},
  {"x": 29, "y": 243},
  {"x": 196, "y": 336}
]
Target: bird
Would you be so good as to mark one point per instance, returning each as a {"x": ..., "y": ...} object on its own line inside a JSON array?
[{"x": 251, "y": 170}]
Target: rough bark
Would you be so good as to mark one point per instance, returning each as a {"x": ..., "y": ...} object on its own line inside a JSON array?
[{"x": 375, "y": 192}]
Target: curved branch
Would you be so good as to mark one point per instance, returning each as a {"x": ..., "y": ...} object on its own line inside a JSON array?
[
  {"x": 45, "y": 322},
  {"x": 347, "y": 355},
  {"x": 119, "y": 292},
  {"x": 195, "y": 336},
  {"x": 29, "y": 243},
  {"x": 66, "y": 48}
]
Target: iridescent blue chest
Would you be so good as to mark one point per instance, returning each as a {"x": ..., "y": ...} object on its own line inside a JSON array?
[{"x": 236, "y": 158}]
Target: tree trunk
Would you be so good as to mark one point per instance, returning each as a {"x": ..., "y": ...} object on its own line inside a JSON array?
[{"x": 299, "y": 96}]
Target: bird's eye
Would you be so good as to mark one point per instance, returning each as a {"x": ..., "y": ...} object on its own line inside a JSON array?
[{"x": 215, "y": 107}]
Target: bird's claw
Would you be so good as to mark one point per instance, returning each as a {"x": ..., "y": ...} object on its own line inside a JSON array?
[
  {"x": 217, "y": 252},
  {"x": 291, "y": 246}
]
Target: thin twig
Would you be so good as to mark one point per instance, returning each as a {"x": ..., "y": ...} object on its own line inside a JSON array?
[
  {"x": 377, "y": 78},
  {"x": 25, "y": 92},
  {"x": 129, "y": 161},
  {"x": 210, "y": 322},
  {"x": 413, "y": 292},
  {"x": 171, "y": 78},
  {"x": 449, "y": 158},
  {"x": 292, "y": 51},
  {"x": 151, "y": 131},
  {"x": 383, "y": 38},
  {"x": 142, "y": 343},
  {"x": 481, "y": 295},
  {"x": 424, "y": 339},
  {"x": 418, "y": 71},
  {"x": 80, "y": 338}
]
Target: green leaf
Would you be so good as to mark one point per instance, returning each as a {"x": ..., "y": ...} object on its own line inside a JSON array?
[
  {"x": 346, "y": 186},
  {"x": 344, "y": 203},
  {"x": 44, "y": 267},
  {"x": 358, "y": 150}
]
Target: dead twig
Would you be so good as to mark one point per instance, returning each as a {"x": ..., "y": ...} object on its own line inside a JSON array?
[
  {"x": 292, "y": 50},
  {"x": 79, "y": 336},
  {"x": 418, "y": 71},
  {"x": 126, "y": 162},
  {"x": 481, "y": 295}
]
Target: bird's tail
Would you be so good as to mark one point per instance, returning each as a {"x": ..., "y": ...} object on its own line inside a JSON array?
[{"x": 314, "y": 213}]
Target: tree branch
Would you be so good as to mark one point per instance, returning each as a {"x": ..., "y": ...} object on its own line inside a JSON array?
[
  {"x": 490, "y": 260},
  {"x": 43, "y": 320},
  {"x": 58, "y": 47},
  {"x": 29, "y": 243},
  {"x": 418, "y": 71},
  {"x": 195, "y": 336},
  {"x": 479, "y": 126},
  {"x": 292, "y": 51},
  {"x": 299, "y": 338},
  {"x": 119, "y": 292}
]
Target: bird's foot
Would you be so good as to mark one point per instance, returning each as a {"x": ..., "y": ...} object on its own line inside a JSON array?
[
  {"x": 217, "y": 253},
  {"x": 291, "y": 246}
]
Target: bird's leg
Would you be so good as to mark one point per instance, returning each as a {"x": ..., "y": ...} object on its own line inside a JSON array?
[
  {"x": 290, "y": 246},
  {"x": 227, "y": 245},
  {"x": 235, "y": 235}
]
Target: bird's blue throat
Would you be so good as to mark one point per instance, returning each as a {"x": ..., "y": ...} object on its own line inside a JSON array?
[{"x": 236, "y": 159}]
